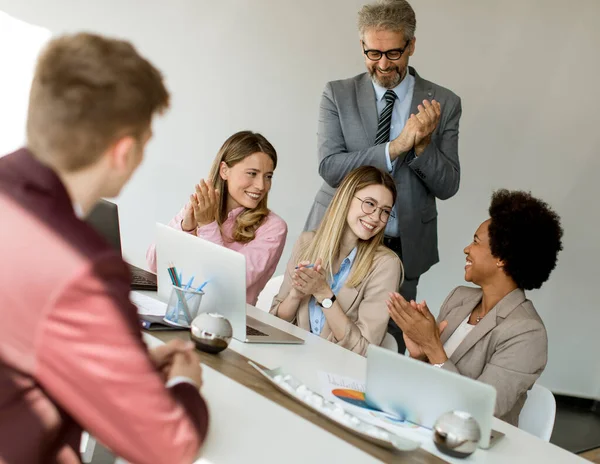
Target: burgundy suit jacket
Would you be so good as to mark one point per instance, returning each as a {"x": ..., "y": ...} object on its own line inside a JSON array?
[{"x": 71, "y": 351}]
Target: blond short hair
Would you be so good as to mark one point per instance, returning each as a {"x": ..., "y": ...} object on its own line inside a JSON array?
[{"x": 87, "y": 92}]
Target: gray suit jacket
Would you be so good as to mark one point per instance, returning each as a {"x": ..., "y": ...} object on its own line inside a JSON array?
[
  {"x": 508, "y": 349},
  {"x": 346, "y": 136}
]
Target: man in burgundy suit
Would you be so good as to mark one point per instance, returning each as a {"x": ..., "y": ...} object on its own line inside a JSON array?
[{"x": 71, "y": 351}]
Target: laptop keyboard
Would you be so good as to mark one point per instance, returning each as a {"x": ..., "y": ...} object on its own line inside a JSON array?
[
  {"x": 253, "y": 331},
  {"x": 142, "y": 280}
]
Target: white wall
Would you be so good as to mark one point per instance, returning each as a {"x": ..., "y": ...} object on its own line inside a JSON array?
[
  {"x": 20, "y": 43},
  {"x": 525, "y": 69}
]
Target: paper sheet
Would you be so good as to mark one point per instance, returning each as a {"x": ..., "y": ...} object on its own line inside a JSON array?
[
  {"x": 330, "y": 382},
  {"x": 349, "y": 393},
  {"x": 147, "y": 306}
]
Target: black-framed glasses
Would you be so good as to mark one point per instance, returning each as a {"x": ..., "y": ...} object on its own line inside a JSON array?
[
  {"x": 369, "y": 206},
  {"x": 394, "y": 54}
]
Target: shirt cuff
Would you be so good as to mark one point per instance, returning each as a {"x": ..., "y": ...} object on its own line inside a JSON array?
[
  {"x": 180, "y": 379},
  {"x": 193, "y": 231},
  {"x": 388, "y": 161}
]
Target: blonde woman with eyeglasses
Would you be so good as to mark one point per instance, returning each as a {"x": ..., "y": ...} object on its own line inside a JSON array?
[{"x": 340, "y": 276}]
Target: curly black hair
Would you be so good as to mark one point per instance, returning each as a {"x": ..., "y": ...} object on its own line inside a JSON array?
[{"x": 526, "y": 234}]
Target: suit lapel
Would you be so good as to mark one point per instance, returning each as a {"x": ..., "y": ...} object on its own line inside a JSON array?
[
  {"x": 422, "y": 91},
  {"x": 504, "y": 307},
  {"x": 456, "y": 316},
  {"x": 478, "y": 332},
  {"x": 346, "y": 298},
  {"x": 507, "y": 304},
  {"x": 367, "y": 107}
]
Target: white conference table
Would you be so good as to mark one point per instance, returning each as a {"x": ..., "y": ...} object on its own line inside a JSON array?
[{"x": 247, "y": 427}]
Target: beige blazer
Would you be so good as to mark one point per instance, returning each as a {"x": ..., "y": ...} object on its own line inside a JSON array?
[
  {"x": 364, "y": 305},
  {"x": 508, "y": 349}
]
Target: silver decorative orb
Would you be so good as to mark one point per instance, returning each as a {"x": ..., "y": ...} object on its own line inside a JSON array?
[
  {"x": 211, "y": 332},
  {"x": 457, "y": 434}
]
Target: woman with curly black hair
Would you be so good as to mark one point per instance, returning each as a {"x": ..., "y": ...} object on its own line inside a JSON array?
[{"x": 493, "y": 333}]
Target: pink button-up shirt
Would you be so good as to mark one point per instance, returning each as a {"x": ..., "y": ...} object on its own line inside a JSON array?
[{"x": 262, "y": 254}]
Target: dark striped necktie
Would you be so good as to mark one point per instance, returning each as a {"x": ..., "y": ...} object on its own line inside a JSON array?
[{"x": 385, "y": 119}]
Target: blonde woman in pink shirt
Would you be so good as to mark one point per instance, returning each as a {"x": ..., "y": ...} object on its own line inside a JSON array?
[{"x": 230, "y": 208}]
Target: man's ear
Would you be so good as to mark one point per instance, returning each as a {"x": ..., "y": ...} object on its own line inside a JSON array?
[
  {"x": 411, "y": 47},
  {"x": 120, "y": 151}
]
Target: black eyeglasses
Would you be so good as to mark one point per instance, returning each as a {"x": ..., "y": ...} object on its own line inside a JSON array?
[
  {"x": 393, "y": 54},
  {"x": 369, "y": 207}
]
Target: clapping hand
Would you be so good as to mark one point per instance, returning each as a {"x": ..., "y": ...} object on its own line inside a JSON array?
[
  {"x": 405, "y": 141},
  {"x": 425, "y": 122},
  {"x": 202, "y": 207},
  {"x": 417, "y": 131},
  {"x": 311, "y": 281},
  {"x": 417, "y": 323}
]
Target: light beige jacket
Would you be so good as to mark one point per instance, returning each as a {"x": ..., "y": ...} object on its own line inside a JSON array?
[
  {"x": 364, "y": 305},
  {"x": 507, "y": 349}
]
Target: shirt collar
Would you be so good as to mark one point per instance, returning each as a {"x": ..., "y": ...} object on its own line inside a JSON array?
[
  {"x": 401, "y": 90},
  {"x": 78, "y": 211},
  {"x": 350, "y": 258}
]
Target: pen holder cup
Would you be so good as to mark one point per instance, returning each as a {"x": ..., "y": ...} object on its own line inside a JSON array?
[{"x": 183, "y": 306}]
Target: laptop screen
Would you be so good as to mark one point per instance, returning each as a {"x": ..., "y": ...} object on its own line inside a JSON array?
[{"x": 105, "y": 219}]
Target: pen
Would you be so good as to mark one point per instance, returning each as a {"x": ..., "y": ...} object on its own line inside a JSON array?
[
  {"x": 199, "y": 289},
  {"x": 306, "y": 267},
  {"x": 177, "y": 283},
  {"x": 189, "y": 284}
]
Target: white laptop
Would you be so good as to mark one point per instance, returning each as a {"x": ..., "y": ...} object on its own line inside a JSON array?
[
  {"x": 225, "y": 292},
  {"x": 420, "y": 393}
]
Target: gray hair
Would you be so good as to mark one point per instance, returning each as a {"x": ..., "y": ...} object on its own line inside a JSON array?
[{"x": 391, "y": 15}]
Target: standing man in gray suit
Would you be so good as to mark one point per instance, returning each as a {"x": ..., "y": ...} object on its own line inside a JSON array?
[{"x": 391, "y": 118}]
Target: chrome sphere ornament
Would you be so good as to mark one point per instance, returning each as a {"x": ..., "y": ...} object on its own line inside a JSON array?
[
  {"x": 211, "y": 332},
  {"x": 457, "y": 434}
]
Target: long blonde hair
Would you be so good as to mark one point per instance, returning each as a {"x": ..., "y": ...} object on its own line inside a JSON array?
[
  {"x": 235, "y": 149},
  {"x": 328, "y": 237}
]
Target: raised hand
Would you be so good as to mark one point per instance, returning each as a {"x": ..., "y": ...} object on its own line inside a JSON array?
[
  {"x": 415, "y": 350},
  {"x": 405, "y": 141},
  {"x": 311, "y": 281},
  {"x": 418, "y": 324},
  {"x": 189, "y": 223},
  {"x": 202, "y": 207},
  {"x": 297, "y": 289},
  {"x": 205, "y": 203},
  {"x": 425, "y": 122}
]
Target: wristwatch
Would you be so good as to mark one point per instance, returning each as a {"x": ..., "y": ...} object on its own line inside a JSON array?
[{"x": 327, "y": 302}]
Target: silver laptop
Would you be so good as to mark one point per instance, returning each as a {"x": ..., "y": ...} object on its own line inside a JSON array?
[
  {"x": 420, "y": 393},
  {"x": 225, "y": 273}
]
